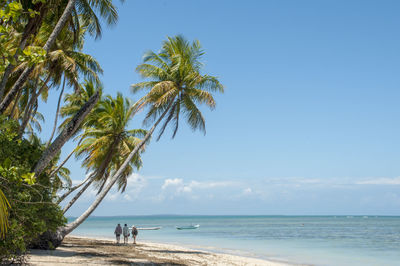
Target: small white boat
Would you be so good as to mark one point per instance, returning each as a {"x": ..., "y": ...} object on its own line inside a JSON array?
[
  {"x": 149, "y": 228},
  {"x": 188, "y": 227}
]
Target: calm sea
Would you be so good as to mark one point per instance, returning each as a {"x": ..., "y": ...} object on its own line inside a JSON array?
[{"x": 314, "y": 240}]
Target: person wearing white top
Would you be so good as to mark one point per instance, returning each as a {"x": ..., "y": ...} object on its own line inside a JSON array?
[{"x": 125, "y": 232}]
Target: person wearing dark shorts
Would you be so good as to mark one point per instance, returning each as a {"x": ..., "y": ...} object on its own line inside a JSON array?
[
  {"x": 118, "y": 232},
  {"x": 134, "y": 233}
]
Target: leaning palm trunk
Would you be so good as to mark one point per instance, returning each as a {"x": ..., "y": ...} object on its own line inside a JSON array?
[
  {"x": 74, "y": 199},
  {"x": 52, "y": 38},
  {"x": 65, "y": 135},
  {"x": 55, "y": 238},
  {"x": 11, "y": 115},
  {"x": 66, "y": 194},
  {"x": 29, "y": 107},
  {"x": 57, "y": 111},
  {"x": 63, "y": 162}
]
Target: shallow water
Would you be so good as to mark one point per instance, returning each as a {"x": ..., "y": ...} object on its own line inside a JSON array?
[{"x": 316, "y": 240}]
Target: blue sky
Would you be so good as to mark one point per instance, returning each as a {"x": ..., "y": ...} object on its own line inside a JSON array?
[{"x": 308, "y": 123}]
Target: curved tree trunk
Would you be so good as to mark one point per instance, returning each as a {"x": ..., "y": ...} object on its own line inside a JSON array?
[
  {"x": 57, "y": 111},
  {"x": 66, "y": 194},
  {"x": 65, "y": 135},
  {"x": 74, "y": 199},
  {"x": 15, "y": 104},
  {"x": 63, "y": 162},
  {"x": 29, "y": 107},
  {"x": 50, "y": 41}
]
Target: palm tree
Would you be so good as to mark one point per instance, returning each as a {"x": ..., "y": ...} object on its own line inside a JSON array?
[
  {"x": 106, "y": 140},
  {"x": 113, "y": 117},
  {"x": 176, "y": 85}
]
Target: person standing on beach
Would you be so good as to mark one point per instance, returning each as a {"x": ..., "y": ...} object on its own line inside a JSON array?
[
  {"x": 134, "y": 234},
  {"x": 125, "y": 232},
  {"x": 118, "y": 232}
]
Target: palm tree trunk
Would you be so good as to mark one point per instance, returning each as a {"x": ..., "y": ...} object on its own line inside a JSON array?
[
  {"x": 15, "y": 104},
  {"x": 66, "y": 134},
  {"x": 66, "y": 194},
  {"x": 28, "y": 109},
  {"x": 58, "y": 109},
  {"x": 71, "y": 226},
  {"x": 74, "y": 199},
  {"x": 63, "y": 162},
  {"x": 50, "y": 41}
]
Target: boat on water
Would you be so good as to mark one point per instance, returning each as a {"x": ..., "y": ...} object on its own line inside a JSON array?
[
  {"x": 149, "y": 228},
  {"x": 188, "y": 227}
]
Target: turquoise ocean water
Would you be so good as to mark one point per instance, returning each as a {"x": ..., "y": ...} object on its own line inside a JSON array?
[{"x": 313, "y": 240}]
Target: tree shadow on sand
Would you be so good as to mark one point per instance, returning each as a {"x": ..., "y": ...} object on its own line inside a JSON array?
[{"x": 64, "y": 253}]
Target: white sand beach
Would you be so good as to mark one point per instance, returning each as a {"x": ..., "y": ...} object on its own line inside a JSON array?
[{"x": 88, "y": 251}]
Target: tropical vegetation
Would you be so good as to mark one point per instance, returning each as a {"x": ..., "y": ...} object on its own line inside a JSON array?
[{"x": 41, "y": 47}]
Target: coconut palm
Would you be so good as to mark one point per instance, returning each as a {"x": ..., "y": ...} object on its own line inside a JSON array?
[
  {"x": 107, "y": 144},
  {"x": 105, "y": 141},
  {"x": 176, "y": 84}
]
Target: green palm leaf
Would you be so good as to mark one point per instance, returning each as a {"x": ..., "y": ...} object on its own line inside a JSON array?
[
  {"x": 4, "y": 206},
  {"x": 175, "y": 82}
]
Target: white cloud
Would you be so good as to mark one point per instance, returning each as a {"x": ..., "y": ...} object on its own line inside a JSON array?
[
  {"x": 211, "y": 184},
  {"x": 172, "y": 188},
  {"x": 380, "y": 181},
  {"x": 112, "y": 196},
  {"x": 301, "y": 182},
  {"x": 135, "y": 184},
  {"x": 187, "y": 189},
  {"x": 172, "y": 182}
]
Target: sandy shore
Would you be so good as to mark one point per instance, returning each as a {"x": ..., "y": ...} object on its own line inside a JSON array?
[{"x": 86, "y": 251}]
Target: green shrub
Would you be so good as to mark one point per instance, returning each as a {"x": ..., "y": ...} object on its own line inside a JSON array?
[{"x": 32, "y": 211}]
